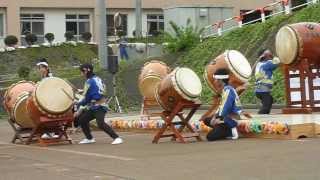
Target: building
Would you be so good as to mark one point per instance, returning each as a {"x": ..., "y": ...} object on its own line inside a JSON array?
[{"x": 42, "y": 16}]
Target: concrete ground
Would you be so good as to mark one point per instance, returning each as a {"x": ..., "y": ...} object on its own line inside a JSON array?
[{"x": 138, "y": 158}]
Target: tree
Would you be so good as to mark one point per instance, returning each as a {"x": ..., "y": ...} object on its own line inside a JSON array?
[
  {"x": 183, "y": 38},
  {"x": 24, "y": 72},
  {"x": 86, "y": 36},
  {"x": 69, "y": 35},
  {"x": 49, "y": 37},
  {"x": 11, "y": 40},
  {"x": 31, "y": 39}
]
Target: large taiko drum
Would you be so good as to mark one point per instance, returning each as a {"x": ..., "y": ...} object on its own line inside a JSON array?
[
  {"x": 52, "y": 98},
  {"x": 235, "y": 62},
  {"x": 20, "y": 113},
  {"x": 151, "y": 74},
  {"x": 182, "y": 84},
  {"x": 299, "y": 41},
  {"x": 13, "y": 93}
]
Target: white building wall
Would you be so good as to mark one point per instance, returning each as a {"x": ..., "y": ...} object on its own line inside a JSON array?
[{"x": 55, "y": 20}]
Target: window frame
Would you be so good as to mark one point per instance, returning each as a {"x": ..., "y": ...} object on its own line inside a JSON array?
[
  {"x": 157, "y": 20},
  {"x": 33, "y": 17},
  {"x": 78, "y": 20}
]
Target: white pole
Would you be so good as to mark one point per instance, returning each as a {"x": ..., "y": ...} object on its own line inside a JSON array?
[
  {"x": 138, "y": 19},
  {"x": 102, "y": 27},
  {"x": 263, "y": 17}
]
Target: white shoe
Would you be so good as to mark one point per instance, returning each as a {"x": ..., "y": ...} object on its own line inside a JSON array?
[
  {"x": 54, "y": 135},
  {"x": 235, "y": 134},
  {"x": 45, "y": 136},
  {"x": 117, "y": 141},
  {"x": 87, "y": 141}
]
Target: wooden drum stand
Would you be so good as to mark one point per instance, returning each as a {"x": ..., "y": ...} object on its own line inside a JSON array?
[
  {"x": 307, "y": 88},
  {"x": 169, "y": 125},
  {"x": 58, "y": 126}
]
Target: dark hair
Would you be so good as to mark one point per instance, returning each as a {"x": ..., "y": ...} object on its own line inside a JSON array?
[
  {"x": 43, "y": 60},
  {"x": 89, "y": 69},
  {"x": 47, "y": 67},
  {"x": 223, "y": 72},
  {"x": 261, "y": 52}
]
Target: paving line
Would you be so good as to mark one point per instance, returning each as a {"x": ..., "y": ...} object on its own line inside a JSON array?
[{"x": 122, "y": 158}]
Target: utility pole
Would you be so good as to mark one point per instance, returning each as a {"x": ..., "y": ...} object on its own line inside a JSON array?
[
  {"x": 138, "y": 19},
  {"x": 102, "y": 42}
]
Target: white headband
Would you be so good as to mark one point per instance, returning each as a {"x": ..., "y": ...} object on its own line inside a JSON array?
[
  {"x": 221, "y": 76},
  {"x": 42, "y": 63}
]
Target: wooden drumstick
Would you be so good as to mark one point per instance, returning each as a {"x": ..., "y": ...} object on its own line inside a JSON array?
[{"x": 66, "y": 93}]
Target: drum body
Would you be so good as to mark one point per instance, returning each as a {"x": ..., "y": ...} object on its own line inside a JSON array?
[
  {"x": 236, "y": 63},
  {"x": 299, "y": 41},
  {"x": 151, "y": 74},
  {"x": 13, "y": 93},
  {"x": 20, "y": 113},
  {"x": 182, "y": 84},
  {"x": 52, "y": 98}
]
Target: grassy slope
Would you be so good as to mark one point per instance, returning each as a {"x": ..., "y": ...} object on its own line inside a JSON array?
[{"x": 249, "y": 40}]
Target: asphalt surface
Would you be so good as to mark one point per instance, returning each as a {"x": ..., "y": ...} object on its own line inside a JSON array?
[{"x": 138, "y": 158}]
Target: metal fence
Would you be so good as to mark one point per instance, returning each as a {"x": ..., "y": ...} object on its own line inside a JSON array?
[{"x": 279, "y": 7}]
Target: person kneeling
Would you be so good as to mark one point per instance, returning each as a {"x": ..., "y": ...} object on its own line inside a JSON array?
[
  {"x": 223, "y": 122},
  {"x": 95, "y": 107}
]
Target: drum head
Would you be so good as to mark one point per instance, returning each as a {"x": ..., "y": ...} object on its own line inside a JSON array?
[
  {"x": 54, "y": 95},
  {"x": 188, "y": 82},
  {"x": 148, "y": 85},
  {"x": 239, "y": 65},
  {"x": 20, "y": 112},
  {"x": 287, "y": 45}
]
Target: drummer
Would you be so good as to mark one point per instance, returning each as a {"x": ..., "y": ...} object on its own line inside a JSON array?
[
  {"x": 223, "y": 123},
  {"x": 43, "y": 68},
  {"x": 96, "y": 108},
  {"x": 264, "y": 79},
  {"x": 44, "y": 71}
]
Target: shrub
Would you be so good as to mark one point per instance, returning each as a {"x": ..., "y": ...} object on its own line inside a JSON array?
[
  {"x": 86, "y": 36},
  {"x": 49, "y": 37},
  {"x": 69, "y": 35},
  {"x": 183, "y": 38},
  {"x": 24, "y": 72},
  {"x": 11, "y": 40},
  {"x": 31, "y": 39},
  {"x": 120, "y": 33}
]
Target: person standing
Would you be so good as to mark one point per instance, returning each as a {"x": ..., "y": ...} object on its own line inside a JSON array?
[
  {"x": 123, "y": 49},
  {"x": 267, "y": 63},
  {"x": 95, "y": 107}
]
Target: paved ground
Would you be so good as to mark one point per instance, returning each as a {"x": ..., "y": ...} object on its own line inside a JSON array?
[{"x": 138, "y": 158}]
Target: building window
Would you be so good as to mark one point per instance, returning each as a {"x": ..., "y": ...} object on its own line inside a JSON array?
[
  {"x": 78, "y": 24},
  {"x": 155, "y": 24},
  {"x": 1, "y": 25},
  {"x": 32, "y": 23},
  {"x": 111, "y": 25}
]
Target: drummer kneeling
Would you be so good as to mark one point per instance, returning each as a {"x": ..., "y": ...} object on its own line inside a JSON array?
[
  {"x": 96, "y": 107},
  {"x": 223, "y": 123}
]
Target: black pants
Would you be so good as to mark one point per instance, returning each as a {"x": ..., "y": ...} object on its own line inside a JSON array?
[
  {"x": 88, "y": 115},
  {"x": 219, "y": 131},
  {"x": 266, "y": 101}
]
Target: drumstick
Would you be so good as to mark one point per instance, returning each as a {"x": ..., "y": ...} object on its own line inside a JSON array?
[{"x": 66, "y": 93}]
